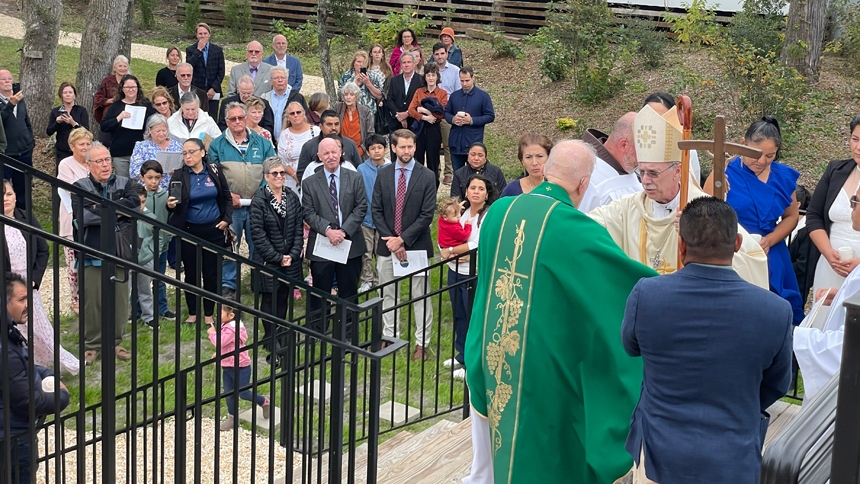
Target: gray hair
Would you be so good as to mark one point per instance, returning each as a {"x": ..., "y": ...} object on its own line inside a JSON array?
[
  {"x": 273, "y": 162},
  {"x": 351, "y": 88},
  {"x": 121, "y": 58},
  {"x": 184, "y": 64},
  {"x": 189, "y": 98},
  {"x": 95, "y": 144},
  {"x": 234, "y": 105},
  {"x": 280, "y": 69},
  {"x": 410, "y": 54},
  {"x": 153, "y": 121},
  {"x": 246, "y": 79}
]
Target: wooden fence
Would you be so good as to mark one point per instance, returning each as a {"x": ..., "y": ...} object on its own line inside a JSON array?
[{"x": 513, "y": 17}]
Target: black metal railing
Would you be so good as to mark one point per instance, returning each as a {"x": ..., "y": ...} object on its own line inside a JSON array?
[{"x": 155, "y": 417}]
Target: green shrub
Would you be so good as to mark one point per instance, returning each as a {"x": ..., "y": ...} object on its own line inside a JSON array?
[
  {"x": 238, "y": 15},
  {"x": 502, "y": 47},
  {"x": 761, "y": 23},
  {"x": 303, "y": 38},
  {"x": 556, "y": 61},
  {"x": 147, "y": 13},
  {"x": 192, "y": 16},
  {"x": 846, "y": 16},
  {"x": 385, "y": 31},
  {"x": 698, "y": 26},
  {"x": 643, "y": 39},
  {"x": 565, "y": 124}
]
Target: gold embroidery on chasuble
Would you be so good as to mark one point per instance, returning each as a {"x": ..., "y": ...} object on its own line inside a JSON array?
[
  {"x": 657, "y": 259},
  {"x": 513, "y": 285}
]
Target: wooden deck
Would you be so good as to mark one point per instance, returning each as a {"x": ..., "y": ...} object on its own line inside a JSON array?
[{"x": 443, "y": 453}]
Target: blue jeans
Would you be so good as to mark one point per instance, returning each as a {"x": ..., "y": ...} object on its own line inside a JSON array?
[
  {"x": 230, "y": 384},
  {"x": 161, "y": 266},
  {"x": 462, "y": 309},
  {"x": 458, "y": 161},
  {"x": 241, "y": 225}
]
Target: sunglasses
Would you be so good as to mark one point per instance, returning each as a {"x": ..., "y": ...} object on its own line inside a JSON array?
[
  {"x": 233, "y": 119},
  {"x": 294, "y": 113},
  {"x": 278, "y": 174},
  {"x": 255, "y": 51}
]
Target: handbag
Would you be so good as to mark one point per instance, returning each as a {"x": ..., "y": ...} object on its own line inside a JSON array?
[{"x": 380, "y": 124}]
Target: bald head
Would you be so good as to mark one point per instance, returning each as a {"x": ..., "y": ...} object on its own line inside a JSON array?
[
  {"x": 329, "y": 154},
  {"x": 254, "y": 53},
  {"x": 620, "y": 142},
  {"x": 569, "y": 166},
  {"x": 5, "y": 82}
]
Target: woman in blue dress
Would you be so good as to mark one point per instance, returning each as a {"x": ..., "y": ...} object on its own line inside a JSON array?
[{"x": 762, "y": 192}]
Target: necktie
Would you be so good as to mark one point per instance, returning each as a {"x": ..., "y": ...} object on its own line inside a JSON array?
[
  {"x": 254, "y": 73},
  {"x": 333, "y": 190},
  {"x": 401, "y": 199}
]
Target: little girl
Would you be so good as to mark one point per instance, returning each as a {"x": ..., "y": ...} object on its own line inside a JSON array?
[
  {"x": 229, "y": 340},
  {"x": 451, "y": 233}
]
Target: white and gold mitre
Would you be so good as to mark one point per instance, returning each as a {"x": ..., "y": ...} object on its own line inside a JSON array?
[{"x": 657, "y": 136}]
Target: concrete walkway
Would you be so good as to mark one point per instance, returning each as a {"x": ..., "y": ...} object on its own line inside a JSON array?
[{"x": 14, "y": 28}]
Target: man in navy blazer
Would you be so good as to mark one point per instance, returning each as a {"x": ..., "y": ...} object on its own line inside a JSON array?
[
  {"x": 291, "y": 63},
  {"x": 410, "y": 231},
  {"x": 716, "y": 352},
  {"x": 207, "y": 60}
]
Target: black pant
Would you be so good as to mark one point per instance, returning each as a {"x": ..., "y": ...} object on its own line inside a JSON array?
[
  {"x": 19, "y": 459},
  {"x": 428, "y": 147},
  {"x": 323, "y": 273},
  {"x": 17, "y": 177},
  {"x": 274, "y": 303},
  {"x": 210, "y": 260}
]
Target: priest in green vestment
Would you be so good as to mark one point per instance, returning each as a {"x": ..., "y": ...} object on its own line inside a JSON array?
[{"x": 551, "y": 387}]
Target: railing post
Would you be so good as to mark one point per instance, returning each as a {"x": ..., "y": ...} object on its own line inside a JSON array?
[
  {"x": 108, "y": 358},
  {"x": 375, "y": 393},
  {"x": 179, "y": 457},
  {"x": 335, "y": 456},
  {"x": 845, "y": 467}
]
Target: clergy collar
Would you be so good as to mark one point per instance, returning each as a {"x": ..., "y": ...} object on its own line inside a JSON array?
[
  {"x": 660, "y": 210},
  {"x": 597, "y": 139}
]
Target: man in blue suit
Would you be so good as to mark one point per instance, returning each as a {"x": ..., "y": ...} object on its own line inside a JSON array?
[
  {"x": 291, "y": 63},
  {"x": 716, "y": 352}
]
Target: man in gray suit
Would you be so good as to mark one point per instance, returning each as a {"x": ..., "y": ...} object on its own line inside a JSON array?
[
  {"x": 334, "y": 203},
  {"x": 254, "y": 67},
  {"x": 403, "y": 221}
]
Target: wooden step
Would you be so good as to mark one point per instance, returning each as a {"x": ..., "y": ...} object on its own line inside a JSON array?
[
  {"x": 393, "y": 456},
  {"x": 434, "y": 457},
  {"x": 781, "y": 414}
]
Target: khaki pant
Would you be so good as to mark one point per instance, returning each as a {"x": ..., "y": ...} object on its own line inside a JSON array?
[
  {"x": 446, "y": 130},
  {"x": 368, "y": 271},
  {"x": 93, "y": 307},
  {"x": 391, "y": 297}
]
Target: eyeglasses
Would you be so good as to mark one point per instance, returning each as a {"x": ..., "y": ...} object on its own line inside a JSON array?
[
  {"x": 295, "y": 113},
  {"x": 184, "y": 75},
  {"x": 233, "y": 119},
  {"x": 103, "y": 161},
  {"x": 254, "y": 51},
  {"x": 130, "y": 88},
  {"x": 854, "y": 201},
  {"x": 278, "y": 174},
  {"x": 190, "y": 152},
  {"x": 158, "y": 105},
  {"x": 652, "y": 173}
]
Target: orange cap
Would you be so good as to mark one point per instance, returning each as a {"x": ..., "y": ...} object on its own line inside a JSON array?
[{"x": 447, "y": 31}]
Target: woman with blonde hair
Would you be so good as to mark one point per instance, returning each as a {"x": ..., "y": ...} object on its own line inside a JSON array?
[
  {"x": 297, "y": 131},
  {"x": 371, "y": 83},
  {"x": 318, "y": 102},
  {"x": 162, "y": 101},
  {"x": 256, "y": 108},
  {"x": 70, "y": 170}
]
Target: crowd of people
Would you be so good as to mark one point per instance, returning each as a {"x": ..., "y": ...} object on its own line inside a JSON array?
[{"x": 348, "y": 188}]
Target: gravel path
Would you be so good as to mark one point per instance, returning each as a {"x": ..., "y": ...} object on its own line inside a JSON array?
[{"x": 14, "y": 28}]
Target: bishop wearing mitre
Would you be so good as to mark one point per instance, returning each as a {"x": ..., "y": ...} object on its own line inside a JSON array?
[{"x": 643, "y": 223}]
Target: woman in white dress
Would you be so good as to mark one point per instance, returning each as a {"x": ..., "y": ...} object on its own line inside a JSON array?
[
  {"x": 298, "y": 132},
  {"x": 829, "y": 216},
  {"x": 17, "y": 246}
]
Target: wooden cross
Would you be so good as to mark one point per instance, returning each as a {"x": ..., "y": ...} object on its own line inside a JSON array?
[{"x": 720, "y": 148}]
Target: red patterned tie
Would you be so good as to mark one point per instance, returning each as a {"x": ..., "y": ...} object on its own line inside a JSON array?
[{"x": 401, "y": 198}]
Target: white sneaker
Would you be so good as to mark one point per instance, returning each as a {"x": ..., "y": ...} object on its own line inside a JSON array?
[
  {"x": 365, "y": 286},
  {"x": 451, "y": 363},
  {"x": 460, "y": 374}
]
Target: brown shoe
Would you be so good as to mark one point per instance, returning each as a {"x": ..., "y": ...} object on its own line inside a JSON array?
[
  {"x": 447, "y": 180},
  {"x": 421, "y": 353},
  {"x": 267, "y": 409},
  {"x": 227, "y": 424},
  {"x": 122, "y": 353},
  {"x": 90, "y": 356}
]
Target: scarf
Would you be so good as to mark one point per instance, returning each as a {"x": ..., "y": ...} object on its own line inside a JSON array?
[{"x": 279, "y": 207}]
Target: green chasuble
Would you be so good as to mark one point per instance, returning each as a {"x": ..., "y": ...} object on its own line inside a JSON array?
[{"x": 543, "y": 353}]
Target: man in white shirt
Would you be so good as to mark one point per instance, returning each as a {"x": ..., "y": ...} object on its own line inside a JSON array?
[{"x": 613, "y": 175}]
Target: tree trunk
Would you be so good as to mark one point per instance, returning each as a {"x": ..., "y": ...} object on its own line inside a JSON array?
[
  {"x": 804, "y": 37},
  {"x": 39, "y": 60},
  {"x": 325, "y": 54},
  {"x": 128, "y": 31},
  {"x": 100, "y": 43}
]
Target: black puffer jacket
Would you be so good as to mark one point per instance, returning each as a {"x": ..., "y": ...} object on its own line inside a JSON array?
[{"x": 274, "y": 237}]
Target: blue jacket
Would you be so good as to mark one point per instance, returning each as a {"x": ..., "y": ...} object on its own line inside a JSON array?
[
  {"x": 478, "y": 104},
  {"x": 294, "y": 68},
  {"x": 17, "y": 367},
  {"x": 717, "y": 353},
  {"x": 369, "y": 171}
]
